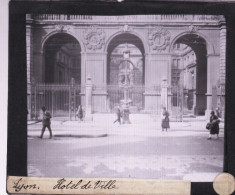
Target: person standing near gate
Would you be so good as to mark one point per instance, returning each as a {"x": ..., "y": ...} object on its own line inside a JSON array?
[
  {"x": 214, "y": 125},
  {"x": 119, "y": 115},
  {"x": 165, "y": 119},
  {"x": 79, "y": 112},
  {"x": 46, "y": 122}
]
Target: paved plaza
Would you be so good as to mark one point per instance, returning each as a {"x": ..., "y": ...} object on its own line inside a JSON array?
[{"x": 137, "y": 150}]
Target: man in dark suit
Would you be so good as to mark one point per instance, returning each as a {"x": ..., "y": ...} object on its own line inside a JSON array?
[{"x": 46, "y": 122}]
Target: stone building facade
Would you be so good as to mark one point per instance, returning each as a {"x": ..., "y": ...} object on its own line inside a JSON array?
[{"x": 91, "y": 47}]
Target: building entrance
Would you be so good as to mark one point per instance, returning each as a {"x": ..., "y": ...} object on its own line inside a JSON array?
[
  {"x": 130, "y": 72},
  {"x": 60, "y": 91},
  {"x": 189, "y": 73}
]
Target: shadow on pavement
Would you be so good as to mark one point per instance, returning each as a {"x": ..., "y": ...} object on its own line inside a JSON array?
[{"x": 75, "y": 136}]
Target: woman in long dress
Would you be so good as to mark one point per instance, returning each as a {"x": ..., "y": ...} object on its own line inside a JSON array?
[
  {"x": 165, "y": 119},
  {"x": 79, "y": 113},
  {"x": 214, "y": 128}
]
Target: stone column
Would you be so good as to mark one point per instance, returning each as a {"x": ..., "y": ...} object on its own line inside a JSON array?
[
  {"x": 157, "y": 66},
  {"x": 88, "y": 96},
  {"x": 29, "y": 54},
  {"x": 83, "y": 78},
  {"x": 95, "y": 66},
  {"x": 212, "y": 80},
  {"x": 222, "y": 74},
  {"x": 164, "y": 93},
  {"x": 222, "y": 54}
]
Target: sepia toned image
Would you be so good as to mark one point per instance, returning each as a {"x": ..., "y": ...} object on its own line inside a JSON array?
[{"x": 130, "y": 96}]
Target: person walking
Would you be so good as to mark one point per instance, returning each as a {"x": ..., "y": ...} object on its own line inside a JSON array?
[
  {"x": 165, "y": 119},
  {"x": 46, "y": 122},
  {"x": 218, "y": 112},
  {"x": 214, "y": 125},
  {"x": 118, "y": 115},
  {"x": 79, "y": 113}
]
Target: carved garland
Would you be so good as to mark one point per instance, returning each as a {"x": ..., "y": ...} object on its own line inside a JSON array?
[
  {"x": 159, "y": 39},
  {"x": 94, "y": 38}
]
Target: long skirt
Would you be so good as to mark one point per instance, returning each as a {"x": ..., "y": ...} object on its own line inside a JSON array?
[
  {"x": 165, "y": 123},
  {"x": 214, "y": 128}
]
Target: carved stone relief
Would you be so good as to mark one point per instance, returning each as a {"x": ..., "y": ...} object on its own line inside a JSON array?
[
  {"x": 159, "y": 38},
  {"x": 62, "y": 28},
  {"x": 126, "y": 28},
  {"x": 191, "y": 28},
  {"x": 94, "y": 38}
]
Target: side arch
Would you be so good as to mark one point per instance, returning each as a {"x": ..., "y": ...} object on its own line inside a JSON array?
[
  {"x": 209, "y": 45},
  {"x": 50, "y": 34},
  {"x": 128, "y": 32}
]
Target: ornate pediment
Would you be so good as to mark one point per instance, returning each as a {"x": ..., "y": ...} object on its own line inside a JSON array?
[
  {"x": 94, "y": 38},
  {"x": 159, "y": 38}
]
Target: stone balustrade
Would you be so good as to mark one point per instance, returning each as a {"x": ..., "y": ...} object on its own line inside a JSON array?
[{"x": 128, "y": 18}]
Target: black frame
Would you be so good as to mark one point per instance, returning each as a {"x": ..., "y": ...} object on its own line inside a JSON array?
[{"x": 17, "y": 95}]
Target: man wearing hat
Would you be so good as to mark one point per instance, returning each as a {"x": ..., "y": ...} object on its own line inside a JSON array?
[{"x": 46, "y": 122}]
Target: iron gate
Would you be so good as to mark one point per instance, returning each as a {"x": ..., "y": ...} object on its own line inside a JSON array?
[
  {"x": 135, "y": 94},
  {"x": 60, "y": 100},
  {"x": 177, "y": 102}
]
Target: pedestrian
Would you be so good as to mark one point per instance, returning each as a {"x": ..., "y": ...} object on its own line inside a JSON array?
[
  {"x": 214, "y": 125},
  {"x": 218, "y": 112},
  {"x": 46, "y": 122},
  {"x": 79, "y": 113},
  {"x": 165, "y": 119},
  {"x": 119, "y": 115}
]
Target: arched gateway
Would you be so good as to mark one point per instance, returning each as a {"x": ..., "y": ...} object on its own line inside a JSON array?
[
  {"x": 116, "y": 69},
  {"x": 173, "y": 62}
]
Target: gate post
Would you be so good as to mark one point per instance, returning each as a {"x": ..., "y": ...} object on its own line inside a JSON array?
[
  {"x": 164, "y": 93},
  {"x": 33, "y": 100},
  {"x": 88, "y": 96},
  {"x": 214, "y": 98},
  {"x": 72, "y": 99}
]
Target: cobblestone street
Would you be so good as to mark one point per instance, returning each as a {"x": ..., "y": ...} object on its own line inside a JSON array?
[{"x": 137, "y": 150}]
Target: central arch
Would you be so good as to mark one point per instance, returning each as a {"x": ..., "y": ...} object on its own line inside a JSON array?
[{"x": 115, "y": 50}]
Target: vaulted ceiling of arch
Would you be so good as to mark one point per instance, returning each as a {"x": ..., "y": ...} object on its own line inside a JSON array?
[
  {"x": 63, "y": 41},
  {"x": 194, "y": 41},
  {"x": 126, "y": 38}
]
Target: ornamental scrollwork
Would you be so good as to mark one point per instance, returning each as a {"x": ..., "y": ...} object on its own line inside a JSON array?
[
  {"x": 62, "y": 28},
  {"x": 94, "y": 38},
  {"x": 159, "y": 38},
  {"x": 191, "y": 29}
]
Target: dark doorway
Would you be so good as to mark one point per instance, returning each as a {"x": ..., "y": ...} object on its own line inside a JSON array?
[{"x": 189, "y": 73}]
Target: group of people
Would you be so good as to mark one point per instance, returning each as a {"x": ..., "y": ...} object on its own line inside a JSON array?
[
  {"x": 212, "y": 126},
  {"x": 164, "y": 118}
]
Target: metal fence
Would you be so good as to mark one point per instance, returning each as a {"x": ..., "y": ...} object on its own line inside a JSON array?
[
  {"x": 60, "y": 100},
  {"x": 177, "y": 102},
  {"x": 135, "y": 94}
]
